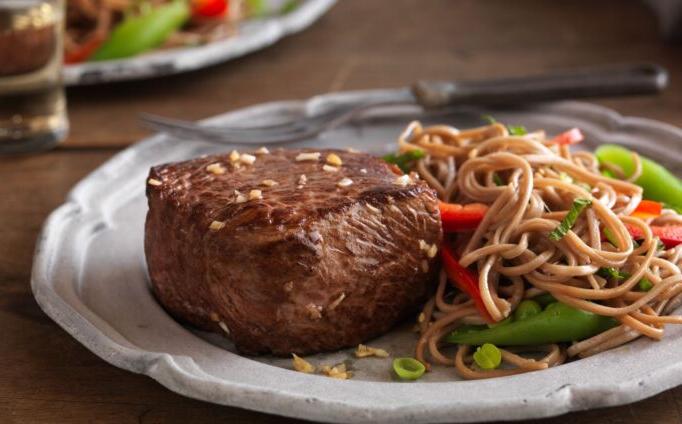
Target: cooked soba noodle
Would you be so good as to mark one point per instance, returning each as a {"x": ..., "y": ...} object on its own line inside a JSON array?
[{"x": 514, "y": 256}]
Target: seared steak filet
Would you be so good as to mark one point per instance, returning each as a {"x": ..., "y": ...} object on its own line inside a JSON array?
[{"x": 323, "y": 257}]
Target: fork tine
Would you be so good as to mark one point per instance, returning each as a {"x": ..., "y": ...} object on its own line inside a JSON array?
[
  {"x": 269, "y": 134},
  {"x": 167, "y": 123},
  {"x": 275, "y": 128},
  {"x": 192, "y": 126},
  {"x": 218, "y": 136}
]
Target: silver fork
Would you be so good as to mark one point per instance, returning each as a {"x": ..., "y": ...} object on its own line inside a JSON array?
[
  {"x": 582, "y": 83},
  {"x": 284, "y": 132}
]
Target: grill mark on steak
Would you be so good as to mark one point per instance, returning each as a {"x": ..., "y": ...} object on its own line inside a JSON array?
[{"x": 272, "y": 272}]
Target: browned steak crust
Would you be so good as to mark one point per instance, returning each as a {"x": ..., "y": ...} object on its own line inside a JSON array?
[{"x": 311, "y": 266}]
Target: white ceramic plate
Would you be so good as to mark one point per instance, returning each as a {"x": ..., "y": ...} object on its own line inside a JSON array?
[
  {"x": 253, "y": 34},
  {"x": 89, "y": 275}
]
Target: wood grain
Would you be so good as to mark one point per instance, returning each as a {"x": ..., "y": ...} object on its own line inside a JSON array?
[{"x": 46, "y": 376}]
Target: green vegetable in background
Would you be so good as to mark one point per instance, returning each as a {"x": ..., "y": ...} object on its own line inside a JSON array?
[
  {"x": 257, "y": 8},
  {"x": 569, "y": 220},
  {"x": 137, "y": 34},
  {"x": 408, "y": 368},
  {"x": 557, "y": 323},
  {"x": 289, "y": 7},
  {"x": 488, "y": 357},
  {"x": 658, "y": 183},
  {"x": 404, "y": 160}
]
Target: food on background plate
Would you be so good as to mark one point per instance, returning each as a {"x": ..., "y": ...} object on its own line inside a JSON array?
[
  {"x": 114, "y": 29},
  {"x": 530, "y": 254},
  {"x": 291, "y": 251}
]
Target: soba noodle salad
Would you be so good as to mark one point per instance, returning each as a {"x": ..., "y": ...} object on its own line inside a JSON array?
[{"x": 549, "y": 254}]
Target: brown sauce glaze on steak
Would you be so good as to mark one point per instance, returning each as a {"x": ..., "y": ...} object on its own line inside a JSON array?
[{"x": 310, "y": 265}]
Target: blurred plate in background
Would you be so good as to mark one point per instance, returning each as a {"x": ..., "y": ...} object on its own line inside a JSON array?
[{"x": 252, "y": 34}]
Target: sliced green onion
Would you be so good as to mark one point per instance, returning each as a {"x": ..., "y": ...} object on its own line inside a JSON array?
[
  {"x": 489, "y": 119},
  {"x": 488, "y": 357},
  {"x": 517, "y": 130},
  {"x": 497, "y": 179},
  {"x": 612, "y": 273},
  {"x": 569, "y": 220},
  {"x": 526, "y": 309},
  {"x": 404, "y": 160},
  {"x": 408, "y": 368},
  {"x": 645, "y": 285}
]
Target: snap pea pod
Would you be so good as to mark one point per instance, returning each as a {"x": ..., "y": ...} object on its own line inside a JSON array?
[
  {"x": 544, "y": 299},
  {"x": 527, "y": 309},
  {"x": 557, "y": 323},
  {"x": 140, "y": 33},
  {"x": 658, "y": 183}
]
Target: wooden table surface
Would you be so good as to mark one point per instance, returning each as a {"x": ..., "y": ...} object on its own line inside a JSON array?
[{"x": 46, "y": 376}]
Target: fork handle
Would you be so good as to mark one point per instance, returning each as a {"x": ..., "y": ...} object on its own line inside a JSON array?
[{"x": 607, "y": 81}]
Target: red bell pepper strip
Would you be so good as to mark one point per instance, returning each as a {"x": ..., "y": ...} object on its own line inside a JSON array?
[
  {"x": 85, "y": 50},
  {"x": 648, "y": 209},
  {"x": 464, "y": 279},
  {"x": 572, "y": 136},
  {"x": 457, "y": 218},
  {"x": 670, "y": 235},
  {"x": 209, "y": 8}
]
